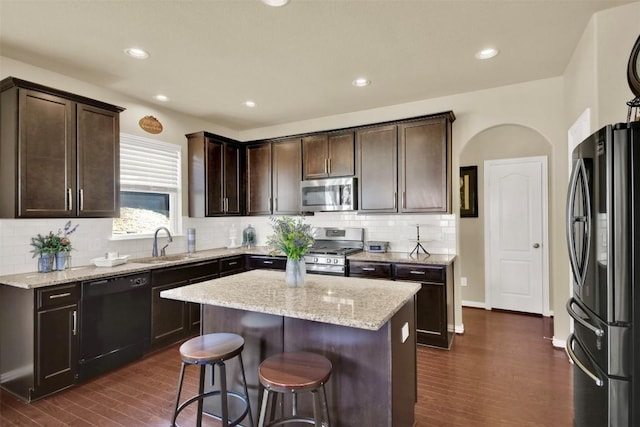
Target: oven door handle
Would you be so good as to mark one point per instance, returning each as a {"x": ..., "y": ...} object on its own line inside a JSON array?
[
  {"x": 574, "y": 360},
  {"x": 597, "y": 331}
]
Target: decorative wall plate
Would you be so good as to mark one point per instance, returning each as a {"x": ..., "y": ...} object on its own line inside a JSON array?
[{"x": 150, "y": 124}]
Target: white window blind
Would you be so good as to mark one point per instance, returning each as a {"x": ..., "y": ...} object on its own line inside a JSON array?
[{"x": 149, "y": 165}]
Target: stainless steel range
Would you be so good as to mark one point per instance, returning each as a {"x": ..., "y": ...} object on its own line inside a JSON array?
[{"x": 329, "y": 253}]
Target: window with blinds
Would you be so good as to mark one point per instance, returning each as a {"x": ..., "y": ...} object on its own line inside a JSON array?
[{"x": 149, "y": 186}]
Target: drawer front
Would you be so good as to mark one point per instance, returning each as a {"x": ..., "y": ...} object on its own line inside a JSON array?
[
  {"x": 370, "y": 269},
  {"x": 232, "y": 264},
  {"x": 164, "y": 276},
  {"x": 267, "y": 262},
  {"x": 421, "y": 273},
  {"x": 58, "y": 296}
]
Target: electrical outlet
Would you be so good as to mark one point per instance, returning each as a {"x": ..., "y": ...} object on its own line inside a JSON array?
[{"x": 463, "y": 281}]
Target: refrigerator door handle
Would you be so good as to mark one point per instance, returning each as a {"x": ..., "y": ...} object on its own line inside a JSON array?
[
  {"x": 578, "y": 176},
  {"x": 574, "y": 359},
  {"x": 597, "y": 331}
]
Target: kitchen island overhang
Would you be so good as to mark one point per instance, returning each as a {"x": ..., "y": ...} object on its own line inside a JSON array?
[{"x": 365, "y": 327}]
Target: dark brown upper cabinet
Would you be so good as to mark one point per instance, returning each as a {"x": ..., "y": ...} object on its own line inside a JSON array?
[
  {"x": 328, "y": 155},
  {"x": 215, "y": 167},
  {"x": 287, "y": 174},
  {"x": 59, "y": 152},
  {"x": 378, "y": 169},
  {"x": 425, "y": 165},
  {"x": 406, "y": 166},
  {"x": 259, "y": 179}
]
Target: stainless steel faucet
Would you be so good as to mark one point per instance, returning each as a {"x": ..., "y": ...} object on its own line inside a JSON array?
[{"x": 154, "y": 251}]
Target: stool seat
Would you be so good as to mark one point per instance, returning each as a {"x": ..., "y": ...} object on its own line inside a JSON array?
[
  {"x": 211, "y": 348},
  {"x": 299, "y": 371}
]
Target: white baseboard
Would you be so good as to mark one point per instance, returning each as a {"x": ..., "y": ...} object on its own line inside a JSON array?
[
  {"x": 473, "y": 304},
  {"x": 558, "y": 343},
  {"x": 459, "y": 329}
]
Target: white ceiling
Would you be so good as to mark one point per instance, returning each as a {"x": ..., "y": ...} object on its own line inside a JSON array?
[{"x": 296, "y": 62}]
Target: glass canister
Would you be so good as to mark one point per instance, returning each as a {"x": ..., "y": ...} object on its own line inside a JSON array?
[{"x": 249, "y": 236}]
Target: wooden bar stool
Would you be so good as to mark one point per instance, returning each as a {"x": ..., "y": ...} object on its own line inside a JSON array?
[
  {"x": 293, "y": 373},
  {"x": 214, "y": 350}
]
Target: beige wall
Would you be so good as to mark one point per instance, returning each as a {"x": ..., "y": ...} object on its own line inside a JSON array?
[{"x": 500, "y": 142}]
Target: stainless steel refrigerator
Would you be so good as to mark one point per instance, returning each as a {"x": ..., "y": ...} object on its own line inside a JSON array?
[{"x": 603, "y": 234}]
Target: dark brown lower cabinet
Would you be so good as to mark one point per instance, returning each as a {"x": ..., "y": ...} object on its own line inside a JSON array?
[
  {"x": 42, "y": 328},
  {"x": 173, "y": 321},
  {"x": 434, "y": 309},
  {"x": 435, "y": 321}
]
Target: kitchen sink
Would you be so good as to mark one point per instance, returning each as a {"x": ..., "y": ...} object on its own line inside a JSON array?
[{"x": 163, "y": 259}]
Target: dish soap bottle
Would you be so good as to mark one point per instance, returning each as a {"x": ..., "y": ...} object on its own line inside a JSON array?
[{"x": 249, "y": 236}]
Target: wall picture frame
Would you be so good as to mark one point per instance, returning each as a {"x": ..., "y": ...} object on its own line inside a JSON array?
[{"x": 469, "y": 191}]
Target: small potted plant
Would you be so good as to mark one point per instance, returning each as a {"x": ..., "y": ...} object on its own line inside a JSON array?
[
  {"x": 53, "y": 247},
  {"x": 292, "y": 237}
]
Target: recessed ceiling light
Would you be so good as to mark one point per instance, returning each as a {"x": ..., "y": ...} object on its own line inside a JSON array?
[
  {"x": 487, "y": 53},
  {"x": 275, "y": 3},
  {"x": 249, "y": 104},
  {"x": 361, "y": 82},
  {"x": 137, "y": 53},
  {"x": 163, "y": 98}
]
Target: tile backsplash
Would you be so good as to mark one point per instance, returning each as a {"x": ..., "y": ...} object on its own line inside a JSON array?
[{"x": 92, "y": 239}]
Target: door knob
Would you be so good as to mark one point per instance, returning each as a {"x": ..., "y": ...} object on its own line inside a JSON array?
[{"x": 536, "y": 245}]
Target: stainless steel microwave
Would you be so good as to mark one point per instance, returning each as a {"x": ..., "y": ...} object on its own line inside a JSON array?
[{"x": 330, "y": 194}]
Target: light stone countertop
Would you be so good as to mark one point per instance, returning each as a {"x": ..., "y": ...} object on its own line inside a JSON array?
[
  {"x": 346, "y": 301},
  {"x": 403, "y": 257},
  {"x": 91, "y": 272}
]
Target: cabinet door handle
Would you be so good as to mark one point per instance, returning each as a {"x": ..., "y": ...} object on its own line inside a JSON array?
[
  {"x": 69, "y": 199},
  {"x": 75, "y": 321},
  {"x": 233, "y": 263},
  {"x": 326, "y": 166},
  {"x": 81, "y": 203},
  {"x": 329, "y": 161},
  {"x": 368, "y": 269},
  {"x": 66, "y": 294},
  {"x": 270, "y": 204},
  {"x": 417, "y": 272},
  {"x": 404, "y": 201},
  {"x": 395, "y": 200},
  {"x": 276, "y": 204},
  {"x": 267, "y": 262}
]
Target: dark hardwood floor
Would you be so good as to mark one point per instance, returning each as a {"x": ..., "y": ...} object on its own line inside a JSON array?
[{"x": 502, "y": 372}]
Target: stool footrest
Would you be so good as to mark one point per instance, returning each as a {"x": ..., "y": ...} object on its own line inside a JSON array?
[
  {"x": 283, "y": 421},
  {"x": 232, "y": 423}
]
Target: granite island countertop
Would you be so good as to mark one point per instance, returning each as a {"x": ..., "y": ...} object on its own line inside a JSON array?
[{"x": 346, "y": 301}]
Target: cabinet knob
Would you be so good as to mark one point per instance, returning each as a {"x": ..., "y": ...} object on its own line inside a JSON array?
[{"x": 536, "y": 245}]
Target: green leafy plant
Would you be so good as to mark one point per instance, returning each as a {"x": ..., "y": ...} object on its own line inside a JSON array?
[
  {"x": 53, "y": 243},
  {"x": 291, "y": 236}
]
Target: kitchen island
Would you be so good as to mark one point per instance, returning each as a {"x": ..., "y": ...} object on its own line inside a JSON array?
[{"x": 365, "y": 327}]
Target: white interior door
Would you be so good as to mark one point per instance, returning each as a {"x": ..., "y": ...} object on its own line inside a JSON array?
[{"x": 516, "y": 235}]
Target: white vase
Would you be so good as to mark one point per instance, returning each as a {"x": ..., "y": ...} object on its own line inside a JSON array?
[{"x": 296, "y": 272}]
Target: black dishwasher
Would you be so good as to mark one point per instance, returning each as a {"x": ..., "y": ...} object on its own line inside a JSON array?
[{"x": 115, "y": 317}]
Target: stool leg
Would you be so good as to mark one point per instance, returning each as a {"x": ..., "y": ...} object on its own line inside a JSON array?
[
  {"x": 201, "y": 391},
  {"x": 317, "y": 407},
  {"x": 326, "y": 405},
  {"x": 263, "y": 410},
  {"x": 180, "y": 380},
  {"x": 223, "y": 394},
  {"x": 246, "y": 390},
  {"x": 295, "y": 404}
]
